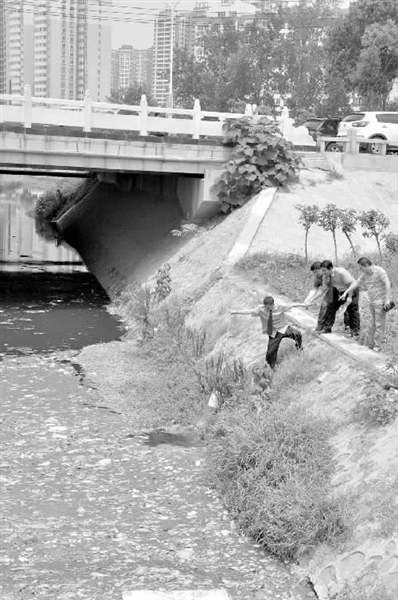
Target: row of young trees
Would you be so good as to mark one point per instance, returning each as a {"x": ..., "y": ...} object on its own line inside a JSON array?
[{"x": 332, "y": 218}]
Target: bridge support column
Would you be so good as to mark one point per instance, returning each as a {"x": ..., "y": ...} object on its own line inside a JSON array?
[{"x": 198, "y": 197}]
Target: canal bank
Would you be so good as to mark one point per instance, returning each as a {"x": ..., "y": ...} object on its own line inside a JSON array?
[{"x": 94, "y": 504}]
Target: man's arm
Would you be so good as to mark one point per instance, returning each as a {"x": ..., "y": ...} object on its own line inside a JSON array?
[
  {"x": 314, "y": 294},
  {"x": 352, "y": 287},
  {"x": 387, "y": 287},
  {"x": 286, "y": 307},
  {"x": 247, "y": 311}
]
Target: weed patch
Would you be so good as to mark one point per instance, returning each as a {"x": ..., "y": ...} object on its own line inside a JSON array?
[
  {"x": 377, "y": 407},
  {"x": 373, "y": 589},
  {"x": 272, "y": 469}
]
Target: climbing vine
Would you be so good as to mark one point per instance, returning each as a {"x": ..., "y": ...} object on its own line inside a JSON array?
[{"x": 261, "y": 158}]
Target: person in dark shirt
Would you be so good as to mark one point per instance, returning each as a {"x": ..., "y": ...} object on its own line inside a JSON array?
[{"x": 319, "y": 282}]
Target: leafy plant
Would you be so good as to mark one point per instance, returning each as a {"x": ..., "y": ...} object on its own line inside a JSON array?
[
  {"x": 374, "y": 222},
  {"x": 348, "y": 223},
  {"x": 329, "y": 220},
  {"x": 163, "y": 283},
  {"x": 261, "y": 158},
  {"x": 377, "y": 407},
  {"x": 309, "y": 216},
  {"x": 391, "y": 242}
]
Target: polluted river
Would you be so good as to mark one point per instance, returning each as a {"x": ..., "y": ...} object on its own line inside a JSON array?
[{"x": 89, "y": 508}]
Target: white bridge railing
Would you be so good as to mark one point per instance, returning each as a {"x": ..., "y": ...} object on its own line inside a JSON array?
[
  {"x": 88, "y": 116},
  {"x": 143, "y": 119}
]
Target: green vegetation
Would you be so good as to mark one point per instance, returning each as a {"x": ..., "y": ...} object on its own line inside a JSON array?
[
  {"x": 261, "y": 157},
  {"x": 377, "y": 407},
  {"x": 57, "y": 200},
  {"x": 290, "y": 276},
  {"x": 272, "y": 469},
  {"x": 362, "y": 590},
  {"x": 332, "y": 218}
]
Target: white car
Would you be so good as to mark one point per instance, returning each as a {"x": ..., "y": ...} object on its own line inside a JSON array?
[{"x": 372, "y": 126}]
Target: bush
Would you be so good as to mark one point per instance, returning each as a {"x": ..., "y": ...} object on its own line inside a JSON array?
[
  {"x": 391, "y": 242},
  {"x": 377, "y": 407},
  {"x": 374, "y": 590},
  {"x": 261, "y": 158},
  {"x": 272, "y": 470}
]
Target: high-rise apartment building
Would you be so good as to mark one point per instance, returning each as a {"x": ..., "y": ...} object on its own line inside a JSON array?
[
  {"x": 16, "y": 46},
  {"x": 188, "y": 28},
  {"x": 61, "y": 47},
  {"x": 131, "y": 66},
  {"x": 170, "y": 28}
]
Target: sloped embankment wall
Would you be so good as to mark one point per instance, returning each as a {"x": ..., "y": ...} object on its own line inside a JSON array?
[{"x": 124, "y": 236}]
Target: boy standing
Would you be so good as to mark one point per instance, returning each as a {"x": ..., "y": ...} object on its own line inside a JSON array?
[
  {"x": 275, "y": 325},
  {"x": 375, "y": 281}
]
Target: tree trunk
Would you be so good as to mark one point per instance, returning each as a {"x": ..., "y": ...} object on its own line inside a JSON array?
[
  {"x": 379, "y": 247},
  {"x": 306, "y": 245},
  {"x": 335, "y": 247},
  {"x": 351, "y": 244}
]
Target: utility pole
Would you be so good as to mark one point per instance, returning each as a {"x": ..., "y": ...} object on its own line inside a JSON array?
[{"x": 172, "y": 7}]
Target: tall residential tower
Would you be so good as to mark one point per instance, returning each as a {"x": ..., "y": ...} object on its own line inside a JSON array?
[{"x": 61, "y": 47}]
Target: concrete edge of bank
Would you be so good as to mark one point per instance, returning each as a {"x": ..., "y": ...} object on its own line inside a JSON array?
[{"x": 250, "y": 228}]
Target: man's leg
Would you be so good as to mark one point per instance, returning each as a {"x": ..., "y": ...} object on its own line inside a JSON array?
[
  {"x": 331, "y": 309},
  {"x": 380, "y": 325},
  {"x": 272, "y": 350},
  {"x": 321, "y": 315},
  {"x": 353, "y": 315},
  {"x": 372, "y": 330},
  {"x": 294, "y": 334}
]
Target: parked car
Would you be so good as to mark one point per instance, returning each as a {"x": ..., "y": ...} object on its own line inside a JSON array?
[
  {"x": 323, "y": 126},
  {"x": 372, "y": 126}
]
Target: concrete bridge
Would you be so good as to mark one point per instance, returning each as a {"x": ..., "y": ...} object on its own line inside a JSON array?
[{"x": 70, "y": 137}]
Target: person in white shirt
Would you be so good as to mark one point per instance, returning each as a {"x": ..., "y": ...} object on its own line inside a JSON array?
[
  {"x": 275, "y": 325},
  {"x": 374, "y": 280}
]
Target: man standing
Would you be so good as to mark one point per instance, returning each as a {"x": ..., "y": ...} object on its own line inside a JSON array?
[
  {"x": 317, "y": 290},
  {"x": 275, "y": 325},
  {"x": 375, "y": 281},
  {"x": 339, "y": 280}
]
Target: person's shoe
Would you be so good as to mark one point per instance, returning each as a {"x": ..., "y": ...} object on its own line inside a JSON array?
[
  {"x": 325, "y": 331},
  {"x": 376, "y": 348},
  {"x": 355, "y": 335}
]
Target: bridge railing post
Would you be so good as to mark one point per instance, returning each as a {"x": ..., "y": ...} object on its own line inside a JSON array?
[
  {"x": 143, "y": 115},
  {"x": 196, "y": 119},
  {"x": 27, "y": 107},
  {"x": 87, "y": 112}
]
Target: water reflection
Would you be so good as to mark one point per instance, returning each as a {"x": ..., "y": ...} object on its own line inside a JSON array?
[{"x": 20, "y": 247}]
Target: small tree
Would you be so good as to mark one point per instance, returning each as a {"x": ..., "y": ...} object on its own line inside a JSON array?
[
  {"x": 309, "y": 216},
  {"x": 329, "y": 220},
  {"x": 374, "y": 223},
  {"x": 348, "y": 224}
]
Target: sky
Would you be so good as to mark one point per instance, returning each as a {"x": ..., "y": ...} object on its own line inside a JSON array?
[{"x": 133, "y": 20}]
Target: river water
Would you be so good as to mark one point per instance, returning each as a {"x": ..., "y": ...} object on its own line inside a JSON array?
[{"x": 48, "y": 299}]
